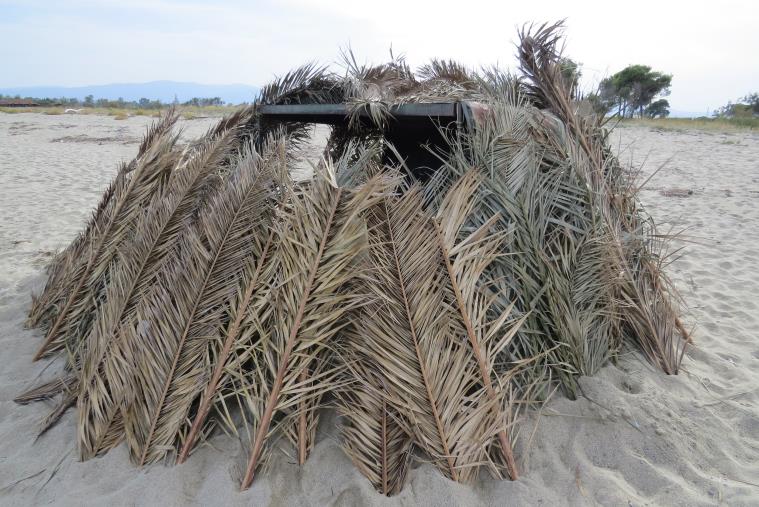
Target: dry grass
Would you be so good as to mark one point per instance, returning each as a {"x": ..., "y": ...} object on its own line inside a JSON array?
[
  {"x": 705, "y": 124},
  {"x": 187, "y": 112}
]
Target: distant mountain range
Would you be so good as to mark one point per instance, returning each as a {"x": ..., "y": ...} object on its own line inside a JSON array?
[{"x": 165, "y": 91}]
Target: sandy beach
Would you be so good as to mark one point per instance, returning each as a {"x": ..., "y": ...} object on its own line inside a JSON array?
[{"x": 636, "y": 437}]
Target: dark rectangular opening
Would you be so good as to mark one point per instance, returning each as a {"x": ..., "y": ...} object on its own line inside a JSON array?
[{"x": 413, "y": 129}]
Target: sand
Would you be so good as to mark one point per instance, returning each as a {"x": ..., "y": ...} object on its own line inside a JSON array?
[{"x": 636, "y": 437}]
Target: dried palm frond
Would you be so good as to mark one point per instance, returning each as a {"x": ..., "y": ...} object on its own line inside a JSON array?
[
  {"x": 74, "y": 321},
  {"x": 132, "y": 190},
  {"x": 155, "y": 132},
  {"x": 540, "y": 60},
  {"x": 320, "y": 235},
  {"x": 493, "y": 82},
  {"x": 47, "y": 390},
  {"x": 64, "y": 265},
  {"x": 234, "y": 122},
  {"x": 182, "y": 316},
  {"x": 370, "y": 89},
  {"x": 208, "y": 288},
  {"x": 411, "y": 330},
  {"x": 104, "y": 369},
  {"x": 237, "y": 335},
  {"x": 647, "y": 300},
  {"x": 64, "y": 385},
  {"x": 244, "y": 313},
  {"x": 466, "y": 255},
  {"x": 372, "y": 437},
  {"x": 308, "y": 84},
  {"x": 68, "y": 400},
  {"x": 446, "y": 70}
]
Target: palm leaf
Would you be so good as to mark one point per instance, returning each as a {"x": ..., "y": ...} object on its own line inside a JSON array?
[
  {"x": 466, "y": 256},
  {"x": 540, "y": 60},
  {"x": 320, "y": 235},
  {"x": 236, "y": 335},
  {"x": 412, "y": 332},
  {"x": 371, "y": 434},
  {"x": 183, "y": 315},
  {"x": 47, "y": 390},
  {"x": 63, "y": 266},
  {"x": 103, "y": 375},
  {"x": 132, "y": 190}
]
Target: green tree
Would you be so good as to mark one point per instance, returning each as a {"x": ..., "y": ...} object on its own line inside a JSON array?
[
  {"x": 658, "y": 109},
  {"x": 603, "y": 100},
  {"x": 89, "y": 101},
  {"x": 571, "y": 71},
  {"x": 752, "y": 101},
  {"x": 204, "y": 101},
  {"x": 746, "y": 107},
  {"x": 633, "y": 89}
]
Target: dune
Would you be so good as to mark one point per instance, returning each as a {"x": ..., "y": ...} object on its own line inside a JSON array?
[{"x": 634, "y": 437}]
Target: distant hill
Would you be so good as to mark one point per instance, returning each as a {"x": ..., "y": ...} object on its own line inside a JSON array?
[{"x": 165, "y": 91}]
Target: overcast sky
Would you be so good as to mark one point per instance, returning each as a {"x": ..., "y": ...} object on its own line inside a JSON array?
[{"x": 711, "y": 48}]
